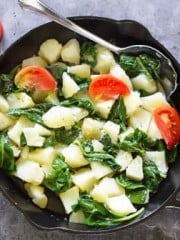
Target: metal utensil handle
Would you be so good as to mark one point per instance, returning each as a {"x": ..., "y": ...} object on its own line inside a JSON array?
[{"x": 43, "y": 9}]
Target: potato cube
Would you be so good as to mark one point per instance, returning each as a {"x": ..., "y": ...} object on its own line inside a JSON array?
[
  {"x": 77, "y": 217},
  {"x": 106, "y": 188},
  {"x": 97, "y": 146},
  {"x": 153, "y": 131},
  {"x": 20, "y": 100},
  {"x": 125, "y": 133},
  {"x": 100, "y": 170},
  {"x": 84, "y": 179},
  {"x": 34, "y": 61},
  {"x": 58, "y": 116},
  {"x": 50, "y": 50},
  {"x": 71, "y": 52},
  {"x": 117, "y": 71},
  {"x": 135, "y": 169},
  {"x": 103, "y": 108},
  {"x": 123, "y": 159},
  {"x": 5, "y": 121},
  {"x": 91, "y": 128},
  {"x": 74, "y": 157},
  {"x": 79, "y": 113},
  {"x": 29, "y": 171},
  {"x": 132, "y": 102},
  {"x": 33, "y": 138},
  {"x": 37, "y": 194},
  {"x": 4, "y": 105},
  {"x": 140, "y": 119},
  {"x": 69, "y": 198},
  {"x": 144, "y": 82},
  {"x": 112, "y": 129},
  {"x": 82, "y": 70},
  {"x": 120, "y": 205},
  {"x": 69, "y": 86}
]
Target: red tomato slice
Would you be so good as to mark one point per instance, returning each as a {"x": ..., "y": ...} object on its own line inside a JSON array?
[
  {"x": 35, "y": 78},
  {"x": 168, "y": 122},
  {"x": 1, "y": 31},
  {"x": 106, "y": 87}
]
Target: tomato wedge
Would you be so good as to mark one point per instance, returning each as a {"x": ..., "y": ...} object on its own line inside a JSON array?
[
  {"x": 106, "y": 86},
  {"x": 168, "y": 122},
  {"x": 35, "y": 78},
  {"x": 1, "y": 31}
]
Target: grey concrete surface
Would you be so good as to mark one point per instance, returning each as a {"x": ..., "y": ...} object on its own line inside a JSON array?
[{"x": 162, "y": 18}]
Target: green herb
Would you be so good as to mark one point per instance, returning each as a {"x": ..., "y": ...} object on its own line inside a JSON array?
[
  {"x": 57, "y": 71},
  {"x": 143, "y": 63},
  {"x": 7, "y": 161},
  {"x": 59, "y": 179},
  {"x": 97, "y": 215},
  {"x": 139, "y": 196},
  {"x": 67, "y": 136},
  {"x": 83, "y": 83},
  {"x": 128, "y": 184},
  {"x": 50, "y": 141},
  {"x": 23, "y": 142},
  {"x": 118, "y": 114},
  {"x": 88, "y": 53},
  {"x": 108, "y": 146},
  {"x": 79, "y": 102}
]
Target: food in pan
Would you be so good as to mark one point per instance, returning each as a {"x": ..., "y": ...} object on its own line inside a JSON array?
[{"x": 93, "y": 128}]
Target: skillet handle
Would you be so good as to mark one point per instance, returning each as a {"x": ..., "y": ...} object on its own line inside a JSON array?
[{"x": 174, "y": 201}]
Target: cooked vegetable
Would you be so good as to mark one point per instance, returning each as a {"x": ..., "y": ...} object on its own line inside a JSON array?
[
  {"x": 168, "y": 122},
  {"x": 106, "y": 87},
  {"x": 35, "y": 78},
  {"x": 94, "y": 132}
]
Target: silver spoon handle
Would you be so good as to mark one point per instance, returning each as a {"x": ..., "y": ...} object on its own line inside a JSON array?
[{"x": 43, "y": 9}]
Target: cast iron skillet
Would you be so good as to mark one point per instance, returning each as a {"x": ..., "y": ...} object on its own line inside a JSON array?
[{"x": 122, "y": 33}]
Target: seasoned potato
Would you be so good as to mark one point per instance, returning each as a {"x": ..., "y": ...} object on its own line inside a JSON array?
[{"x": 71, "y": 52}]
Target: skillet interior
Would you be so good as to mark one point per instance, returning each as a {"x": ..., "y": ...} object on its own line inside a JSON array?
[{"x": 121, "y": 33}]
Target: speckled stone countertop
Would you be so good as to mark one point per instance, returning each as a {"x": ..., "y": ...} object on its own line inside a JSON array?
[{"x": 162, "y": 18}]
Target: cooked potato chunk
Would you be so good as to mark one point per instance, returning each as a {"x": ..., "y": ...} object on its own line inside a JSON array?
[
  {"x": 103, "y": 108},
  {"x": 5, "y": 121},
  {"x": 4, "y": 105},
  {"x": 100, "y": 170},
  {"x": 71, "y": 52},
  {"x": 145, "y": 83},
  {"x": 135, "y": 169},
  {"x": 77, "y": 217},
  {"x": 112, "y": 129},
  {"x": 132, "y": 102},
  {"x": 20, "y": 100},
  {"x": 34, "y": 61},
  {"x": 69, "y": 86},
  {"x": 82, "y": 70},
  {"x": 123, "y": 159},
  {"x": 91, "y": 128}
]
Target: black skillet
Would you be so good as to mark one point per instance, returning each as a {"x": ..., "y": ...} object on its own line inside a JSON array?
[{"x": 121, "y": 33}]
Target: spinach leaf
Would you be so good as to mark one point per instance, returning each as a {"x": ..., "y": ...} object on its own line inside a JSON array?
[
  {"x": 83, "y": 83},
  {"x": 57, "y": 71},
  {"x": 67, "y": 136},
  {"x": 88, "y": 53},
  {"x": 59, "y": 179},
  {"x": 23, "y": 142},
  {"x": 7, "y": 83},
  {"x": 7, "y": 161},
  {"x": 118, "y": 114},
  {"x": 138, "y": 196},
  {"x": 92, "y": 156},
  {"x": 152, "y": 176},
  {"x": 50, "y": 141},
  {"x": 128, "y": 184},
  {"x": 109, "y": 147},
  {"x": 143, "y": 63},
  {"x": 97, "y": 215},
  {"x": 79, "y": 102},
  {"x": 137, "y": 142}
]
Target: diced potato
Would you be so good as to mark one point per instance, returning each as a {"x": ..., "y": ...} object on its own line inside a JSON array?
[
  {"x": 74, "y": 157},
  {"x": 112, "y": 129},
  {"x": 125, "y": 133},
  {"x": 120, "y": 205},
  {"x": 34, "y": 61},
  {"x": 123, "y": 159},
  {"x": 69, "y": 86},
  {"x": 153, "y": 131},
  {"x": 29, "y": 171},
  {"x": 71, "y": 52},
  {"x": 132, "y": 102},
  {"x": 97, "y": 146},
  {"x": 37, "y": 194},
  {"x": 106, "y": 188},
  {"x": 159, "y": 158},
  {"x": 69, "y": 198},
  {"x": 33, "y": 138},
  {"x": 43, "y": 156},
  {"x": 20, "y": 100},
  {"x": 91, "y": 128},
  {"x": 154, "y": 101},
  {"x": 5, "y": 121},
  {"x": 77, "y": 217},
  {"x": 50, "y": 50},
  {"x": 58, "y": 116},
  {"x": 84, "y": 179},
  {"x": 15, "y": 131},
  {"x": 42, "y": 131},
  {"x": 100, "y": 170},
  {"x": 104, "y": 60},
  {"x": 140, "y": 119},
  {"x": 16, "y": 150},
  {"x": 79, "y": 113},
  {"x": 135, "y": 169},
  {"x": 82, "y": 70},
  {"x": 52, "y": 97},
  {"x": 144, "y": 82},
  {"x": 103, "y": 108},
  {"x": 117, "y": 71},
  {"x": 4, "y": 105}
]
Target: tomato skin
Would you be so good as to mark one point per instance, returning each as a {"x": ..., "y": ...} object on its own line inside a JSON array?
[
  {"x": 35, "y": 78},
  {"x": 1, "y": 31},
  {"x": 106, "y": 86},
  {"x": 168, "y": 121}
]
